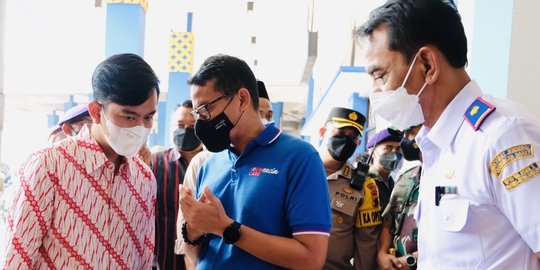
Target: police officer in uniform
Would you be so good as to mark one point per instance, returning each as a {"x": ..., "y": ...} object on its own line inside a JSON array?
[
  {"x": 481, "y": 155},
  {"x": 341, "y": 135}
]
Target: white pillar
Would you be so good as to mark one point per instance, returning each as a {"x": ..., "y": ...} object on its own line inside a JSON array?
[{"x": 2, "y": 44}]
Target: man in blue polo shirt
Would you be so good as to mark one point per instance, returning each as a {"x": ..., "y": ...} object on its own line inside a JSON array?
[{"x": 262, "y": 199}]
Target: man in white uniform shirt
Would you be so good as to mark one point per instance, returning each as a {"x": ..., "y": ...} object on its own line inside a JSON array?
[{"x": 481, "y": 171}]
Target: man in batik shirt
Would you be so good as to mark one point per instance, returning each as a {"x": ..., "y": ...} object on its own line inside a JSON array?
[{"x": 88, "y": 202}]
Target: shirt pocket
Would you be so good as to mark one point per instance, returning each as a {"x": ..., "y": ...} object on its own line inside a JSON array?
[
  {"x": 456, "y": 241},
  {"x": 452, "y": 215},
  {"x": 345, "y": 204}
]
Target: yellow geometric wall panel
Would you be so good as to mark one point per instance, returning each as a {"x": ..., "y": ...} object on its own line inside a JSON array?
[
  {"x": 181, "y": 46},
  {"x": 143, "y": 3}
]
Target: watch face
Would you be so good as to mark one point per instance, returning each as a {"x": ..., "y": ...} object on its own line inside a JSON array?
[
  {"x": 231, "y": 234},
  {"x": 411, "y": 260}
]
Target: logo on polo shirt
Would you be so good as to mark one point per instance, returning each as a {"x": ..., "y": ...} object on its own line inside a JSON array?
[{"x": 256, "y": 171}]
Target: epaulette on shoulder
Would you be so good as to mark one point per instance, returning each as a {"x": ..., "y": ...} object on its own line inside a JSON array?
[{"x": 477, "y": 112}]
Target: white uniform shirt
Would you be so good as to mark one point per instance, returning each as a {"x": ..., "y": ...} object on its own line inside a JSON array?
[{"x": 493, "y": 220}]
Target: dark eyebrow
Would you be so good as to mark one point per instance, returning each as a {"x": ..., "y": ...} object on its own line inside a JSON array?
[
  {"x": 372, "y": 69},
  {"x": 128, "y": 111}
]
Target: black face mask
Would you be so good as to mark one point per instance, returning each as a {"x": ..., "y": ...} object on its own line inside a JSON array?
[
  {"x": 185, "y": 139},
  {"x": 410, "y": 149},
  {"x": 390, "y": 161},
  {"x": 215, "y": 133},
  {"x": 341, "y": 148}
]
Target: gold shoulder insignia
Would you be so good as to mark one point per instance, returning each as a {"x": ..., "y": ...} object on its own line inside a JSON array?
[
  {"x": 347, "y": 172},
  {"x": 474, "y": 110}
]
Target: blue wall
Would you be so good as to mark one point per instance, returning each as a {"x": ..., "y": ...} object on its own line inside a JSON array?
[{"x": 125, "y": 29}]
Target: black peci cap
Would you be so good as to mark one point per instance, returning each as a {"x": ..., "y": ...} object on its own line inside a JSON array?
[{"x": 262, "y": 90}]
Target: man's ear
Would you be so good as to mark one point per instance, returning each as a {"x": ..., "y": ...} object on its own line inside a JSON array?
[
  {"x": 245, "y": 98},
  {"x": 94, "y": 109},
  {"x": 322, "y": 131},
  {"x": 429, "y": 58},
  {"x": 66, "y": 129}
]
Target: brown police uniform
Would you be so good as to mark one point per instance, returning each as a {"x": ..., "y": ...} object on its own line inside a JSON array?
[
  {"x": 356, "y": 214},
  {"x": 355, "y": 222}
]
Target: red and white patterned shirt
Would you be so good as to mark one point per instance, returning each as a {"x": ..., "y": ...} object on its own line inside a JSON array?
[{"x": 72, "y": 212}]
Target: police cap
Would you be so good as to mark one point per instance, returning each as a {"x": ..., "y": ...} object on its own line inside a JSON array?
[{"x": 343, "y": 117}]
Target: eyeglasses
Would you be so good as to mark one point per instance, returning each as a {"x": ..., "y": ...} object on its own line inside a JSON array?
[{"x": 202, "y": 112}]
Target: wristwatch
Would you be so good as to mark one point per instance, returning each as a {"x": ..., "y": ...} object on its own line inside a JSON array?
[
  {"x": 411, "y": 261},
  {"x": 231, "y": 234}
]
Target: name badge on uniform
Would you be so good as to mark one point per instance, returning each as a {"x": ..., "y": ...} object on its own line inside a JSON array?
[
  {"x": 345, "y": 202},
  {"x": 443, "y": 190}
]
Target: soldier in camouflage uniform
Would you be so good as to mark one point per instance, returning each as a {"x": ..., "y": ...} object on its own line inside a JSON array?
[
  {"x": 398, "y": 238},
  {"x": 350, "y": 237}
]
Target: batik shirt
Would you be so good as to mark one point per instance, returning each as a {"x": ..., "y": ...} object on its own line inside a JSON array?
[{"x": 73, "y": 212}]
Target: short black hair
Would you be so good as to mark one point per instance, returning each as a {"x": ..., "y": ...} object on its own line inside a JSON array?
[
  {"x": 186, "y": 104},
  {"x": 416, "y": 23},
  {"x": 125, "y": 79},
  {"x": 228, "y": 74}
]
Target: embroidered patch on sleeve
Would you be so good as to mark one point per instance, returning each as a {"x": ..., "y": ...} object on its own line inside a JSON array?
[
  {"x": 502, "y": 159},
  {"x": 369, "y": 212},
  {"x": 527, "y": 173}
]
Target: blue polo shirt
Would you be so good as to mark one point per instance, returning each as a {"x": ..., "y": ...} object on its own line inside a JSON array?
[{"x": 276, "y": 186}]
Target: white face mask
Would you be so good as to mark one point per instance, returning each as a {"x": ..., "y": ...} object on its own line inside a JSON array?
[
  {"x": 398, "y": 107},
  {"x": 125, "y": 141}
]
